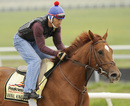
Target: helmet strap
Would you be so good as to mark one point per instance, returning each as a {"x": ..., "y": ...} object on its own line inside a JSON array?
[{"x": 51, "y": 20}]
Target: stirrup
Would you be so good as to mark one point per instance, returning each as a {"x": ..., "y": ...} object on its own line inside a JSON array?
[{"x": 32, "y": 95}]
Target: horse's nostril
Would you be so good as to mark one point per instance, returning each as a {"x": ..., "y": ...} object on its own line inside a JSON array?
[{"x": 114, "y": 75}]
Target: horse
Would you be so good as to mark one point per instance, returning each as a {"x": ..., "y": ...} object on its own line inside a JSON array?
[{"x": 67, "y": 84}]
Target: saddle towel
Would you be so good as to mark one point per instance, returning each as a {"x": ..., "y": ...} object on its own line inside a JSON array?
[{"x": 14, "y": 86}]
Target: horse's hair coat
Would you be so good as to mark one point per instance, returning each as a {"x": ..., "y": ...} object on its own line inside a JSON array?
[{"x": 82, "y": 39}]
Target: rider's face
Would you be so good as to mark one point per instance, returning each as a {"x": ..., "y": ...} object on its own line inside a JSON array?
[{"x": 57, "y": 22}]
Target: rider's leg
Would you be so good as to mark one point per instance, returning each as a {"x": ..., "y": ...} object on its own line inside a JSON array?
[
  {"x": 41, "y": 54},
  {"x": 32, "y": 59}
]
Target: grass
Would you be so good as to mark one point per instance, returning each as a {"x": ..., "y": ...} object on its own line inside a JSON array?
[
  {"x": 108, "y": 87},
  {"x": 14, "y": 63},
  {"x": 115, "y": 102},
  {"x": 116, "y": 20}
]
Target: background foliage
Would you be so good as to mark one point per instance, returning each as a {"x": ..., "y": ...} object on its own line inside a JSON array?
[{"x": 98, "y": 20}]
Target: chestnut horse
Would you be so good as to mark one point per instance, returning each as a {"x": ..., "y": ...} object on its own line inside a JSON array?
[{"x": 67, "y": 85}]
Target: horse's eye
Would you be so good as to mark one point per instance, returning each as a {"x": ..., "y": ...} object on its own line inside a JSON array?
[{"x": 100, "y": 52}]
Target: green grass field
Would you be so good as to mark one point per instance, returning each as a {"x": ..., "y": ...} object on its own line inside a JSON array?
[
  {"x": 119, "y": 87},
  {"x": 116, "y": 20}
]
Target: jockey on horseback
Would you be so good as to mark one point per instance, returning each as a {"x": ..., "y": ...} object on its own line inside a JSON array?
[{"x": 30, "y": 44}]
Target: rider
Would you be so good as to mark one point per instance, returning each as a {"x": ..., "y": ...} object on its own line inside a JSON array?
[{"x": 30, "y": 44}]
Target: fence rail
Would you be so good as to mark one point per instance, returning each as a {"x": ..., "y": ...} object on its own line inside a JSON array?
[
  {"x": 101, "y": 95},
  {"x": 17, "y": 57},
  {"x": 96, "y": 75},
  {"x": 108, "y": 96}
]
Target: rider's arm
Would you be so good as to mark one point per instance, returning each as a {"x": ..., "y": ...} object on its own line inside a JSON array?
[
  {"x": 57, "y": 39},
  {"x": 40, "y": 40}
]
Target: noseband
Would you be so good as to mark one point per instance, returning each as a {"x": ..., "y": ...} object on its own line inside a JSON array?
[
  {"x": 97, "y": 60},
  {"x": 98, "y": 68}
]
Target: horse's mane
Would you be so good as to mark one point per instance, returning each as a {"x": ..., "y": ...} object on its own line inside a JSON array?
[{"x": 79, "y": 41}]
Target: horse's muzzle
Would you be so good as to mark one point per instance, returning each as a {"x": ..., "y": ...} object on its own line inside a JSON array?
[{"x": 114, "y": 77}]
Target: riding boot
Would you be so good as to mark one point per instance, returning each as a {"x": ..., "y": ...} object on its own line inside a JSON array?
[{"x": 32, "y": 95}]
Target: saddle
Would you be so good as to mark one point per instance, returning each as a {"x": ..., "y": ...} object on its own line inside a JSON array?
[
  {"x": 46, "y": 65},
  {"x": 15, "y": 84}
]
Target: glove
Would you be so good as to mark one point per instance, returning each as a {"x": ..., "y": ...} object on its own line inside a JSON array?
[{"x": 62, "y": 56}]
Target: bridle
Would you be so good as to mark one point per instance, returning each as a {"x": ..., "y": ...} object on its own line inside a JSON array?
[
  {"x": 87, "y": 67},
  {"x": 97, "y": 60}
]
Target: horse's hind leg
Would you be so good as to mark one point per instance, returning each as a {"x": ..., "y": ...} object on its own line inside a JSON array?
[{"x": 5, "y": 72}]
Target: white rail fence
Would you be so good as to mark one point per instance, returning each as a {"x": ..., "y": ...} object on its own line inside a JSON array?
[
  {"x": 108, "y": 96},
  {"x": 102, "y": 95},
  {"x": 18, "y": 57},
  {"x": 96, "y": 75}
]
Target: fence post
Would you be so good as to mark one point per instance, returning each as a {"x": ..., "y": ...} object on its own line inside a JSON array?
[
  {"x": 109, "y": 102},
  {"x": 96, "y": 76}
]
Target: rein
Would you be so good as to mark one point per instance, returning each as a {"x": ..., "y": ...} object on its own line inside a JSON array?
[
  {"x": 89, "y": 68},
  {"x": 96, "y": 58}
]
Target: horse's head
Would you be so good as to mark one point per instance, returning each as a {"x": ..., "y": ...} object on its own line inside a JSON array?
[
  {"x": 101, "y": 57},
  {"x": 93, "y": 52}
]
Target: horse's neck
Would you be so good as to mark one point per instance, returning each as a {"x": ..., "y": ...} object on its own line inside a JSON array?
[
  {"x": 82, "y": 54},
  {"x": 75, "y": 72}
]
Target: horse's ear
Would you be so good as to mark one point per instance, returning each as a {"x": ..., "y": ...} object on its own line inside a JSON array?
[
  {"x": 105, "y": 35},
  {"x": 91, "y": 35}
]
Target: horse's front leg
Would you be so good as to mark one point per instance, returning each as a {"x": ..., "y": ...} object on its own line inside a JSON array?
[{"x": 86, "y": 100}]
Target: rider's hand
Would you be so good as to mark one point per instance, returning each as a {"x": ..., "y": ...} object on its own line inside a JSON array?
[{"x": 62, "y": 56}]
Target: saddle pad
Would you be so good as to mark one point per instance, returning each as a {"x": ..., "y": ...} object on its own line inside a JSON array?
[{"x": 14, "y": 86}]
